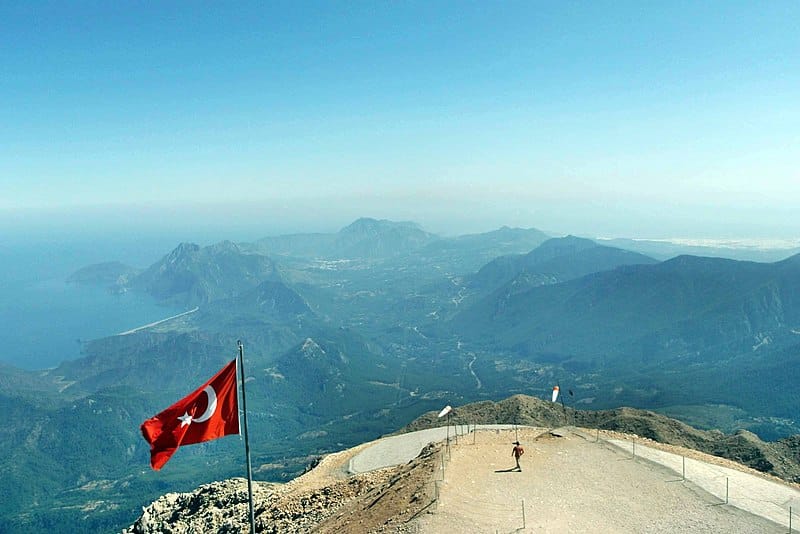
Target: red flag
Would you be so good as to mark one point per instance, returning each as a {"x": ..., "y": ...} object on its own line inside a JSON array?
[{"x": 216, "y": 402}]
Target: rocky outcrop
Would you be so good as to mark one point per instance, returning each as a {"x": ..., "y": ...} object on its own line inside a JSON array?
[
  {"x": 380, "y": 501},
  {"x": 216, "y": 507}
]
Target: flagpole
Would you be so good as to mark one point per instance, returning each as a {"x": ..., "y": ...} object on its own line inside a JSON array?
[{"x": 247, "y": 444}]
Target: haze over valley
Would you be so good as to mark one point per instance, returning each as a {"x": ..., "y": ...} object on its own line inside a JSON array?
[
  {"x": 394, "y": 207},
  {"x": 351, "y": 334}
]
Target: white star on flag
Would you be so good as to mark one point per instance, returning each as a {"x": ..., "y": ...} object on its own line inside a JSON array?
[{"x": 185, "y": 419}]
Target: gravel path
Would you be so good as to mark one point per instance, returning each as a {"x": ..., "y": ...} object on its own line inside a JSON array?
[
  {"x": 571, "y": 484},
  {"x": 400, "y": 449},
  {"x": 766, "y": 498}
]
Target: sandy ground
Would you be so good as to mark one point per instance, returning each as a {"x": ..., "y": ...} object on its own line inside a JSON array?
[
  {"x": 571, "y": 484},
  {"x": 760, "y": 495}
]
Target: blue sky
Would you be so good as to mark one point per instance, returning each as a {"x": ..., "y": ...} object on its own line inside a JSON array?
[{"x": 636, "y": 119}]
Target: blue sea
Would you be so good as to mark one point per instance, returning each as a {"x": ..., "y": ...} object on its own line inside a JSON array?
[{"x": 44, "y": 320}]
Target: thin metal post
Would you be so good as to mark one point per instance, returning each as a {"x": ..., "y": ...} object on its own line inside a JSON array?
[
  {"x": 726, "y": 490},
  {"x": 597, "y": 435},
  {"x": 523, "y": 513},
  {"x": 448, "y": 435},
  {"x": 683, "y": 470},
  {"x": 247, "y": 444},
  {"x": 790, "y": 520},
  {"x": 634, "y": 447},
  {"x": 474, "y": 433}
]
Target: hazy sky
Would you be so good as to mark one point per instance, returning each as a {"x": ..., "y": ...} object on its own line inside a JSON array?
[{"x": 650, "y": 119}]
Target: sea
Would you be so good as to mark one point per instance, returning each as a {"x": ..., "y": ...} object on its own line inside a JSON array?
[{"x": 44, "y": 320}]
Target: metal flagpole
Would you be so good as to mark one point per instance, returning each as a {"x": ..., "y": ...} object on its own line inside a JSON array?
[{"x": 247, "y": 444}]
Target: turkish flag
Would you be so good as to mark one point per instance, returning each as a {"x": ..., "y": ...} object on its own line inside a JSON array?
[{"x": 209, "y": 412}]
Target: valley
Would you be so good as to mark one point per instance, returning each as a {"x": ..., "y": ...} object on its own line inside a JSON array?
[{"x": 352, "y": 335}]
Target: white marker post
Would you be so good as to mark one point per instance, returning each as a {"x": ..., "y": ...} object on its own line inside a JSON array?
[{"x": 446, "y": 412}]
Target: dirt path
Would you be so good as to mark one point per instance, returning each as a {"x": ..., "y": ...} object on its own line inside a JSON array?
[{"x": 570, "y": 484}]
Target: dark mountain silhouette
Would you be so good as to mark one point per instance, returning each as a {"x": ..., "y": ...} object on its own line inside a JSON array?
[
  {"x": 270, "y": 301},
  {"x": 364, "y": 238},
  {"x": 556, "y": 260},
  {"x": 467, "y": 253},
  {"x": 332, "y": 373},
  {"x": 147, "y": 361},
  {"x": 112, "y": 274},
  {"x": 370, "y": 238},
  {"x": 665, "y": 249},
  {"x": 192, "y": 275},
  {"x": 688, "y": 306},
  {"x": 498, "y": 242}
]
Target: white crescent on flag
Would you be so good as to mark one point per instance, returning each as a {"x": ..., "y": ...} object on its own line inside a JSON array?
[
  {"x": 211, "y": 408},
  {"x": 446, "y": 410},
  {"x": 555, "y": 393}
]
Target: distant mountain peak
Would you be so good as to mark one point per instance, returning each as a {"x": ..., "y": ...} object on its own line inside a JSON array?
[
  {"x": 311, "y": 349},
  {"x": 191, "y": 250},
  {"x": 186, "y": 247},
  {"x": 372, "y": 238},
  {"x": 183, "y": 250},
  {"x": 691, "y": 261},
  {"x": 555, "y": 260},
  {"x": 369, "y": 224},
  {"x": 791, "y": 260},
  {"x": 570, "y": 242},
  {"x": 224, "y": 246},
  {"x": 194, "y": 275}
]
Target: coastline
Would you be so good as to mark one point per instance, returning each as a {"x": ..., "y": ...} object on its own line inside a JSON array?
[{"x": 150, "y": 325}]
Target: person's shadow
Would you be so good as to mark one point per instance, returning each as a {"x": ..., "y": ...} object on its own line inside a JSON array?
[{"x": 512, "y": 470}]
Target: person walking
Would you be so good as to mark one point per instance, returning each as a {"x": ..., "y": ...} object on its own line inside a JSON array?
[{"x": 516, "y": 452}]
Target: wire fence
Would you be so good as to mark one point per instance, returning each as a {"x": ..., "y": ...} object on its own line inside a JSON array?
[
  {"x": 751, "y": 492},
  {"x": 772, "y": 500}
]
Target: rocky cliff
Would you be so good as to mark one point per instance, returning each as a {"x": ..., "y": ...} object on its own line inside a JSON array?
[{"x": 324, "y": 499}]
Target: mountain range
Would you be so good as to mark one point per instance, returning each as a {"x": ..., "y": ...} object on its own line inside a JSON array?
[
  {"x": 684, "y": 307},
  {"x": 353, "y": 334},
  {"x": 553, "y": 262}
]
